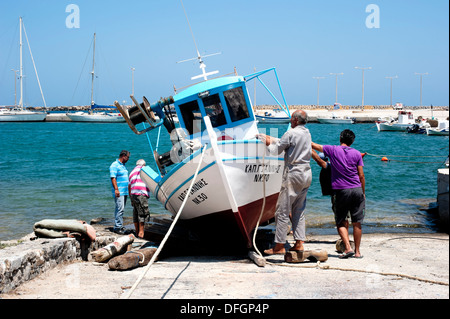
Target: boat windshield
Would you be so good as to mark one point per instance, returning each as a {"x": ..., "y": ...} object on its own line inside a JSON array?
[
  {"x": 192, "y": 117},
  {"x": 214, "y": 110},
  {"x": 237, "y": 107},
  {"x": 213, "y": 106}
]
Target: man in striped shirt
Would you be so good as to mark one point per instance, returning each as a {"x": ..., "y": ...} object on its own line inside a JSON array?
[
  {"x": 139, "y": 199},
  {"x": 120, "y": 189}
]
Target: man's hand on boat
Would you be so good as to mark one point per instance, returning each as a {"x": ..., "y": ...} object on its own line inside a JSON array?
[{"x": 264, "y": 138}]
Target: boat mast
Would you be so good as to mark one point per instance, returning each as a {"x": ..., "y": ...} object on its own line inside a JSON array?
[
  {"x": 21, "y": 65},
  {"x": 204, "y": 75},
  {"x": 93, "y": 74},
  {"x": 22, "y": 29}
]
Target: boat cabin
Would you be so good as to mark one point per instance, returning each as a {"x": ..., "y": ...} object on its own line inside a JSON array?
[
  {"x": 224, "y": 100},
  {"x": 405, "y": 117}
]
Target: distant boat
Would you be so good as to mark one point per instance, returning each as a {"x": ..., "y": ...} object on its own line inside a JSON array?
[
  {"x": 442, "y": 129},
  {"x": 97, "y": 117},
  {"x": 276, "y": 116},
  {"x": 91, "y": 116},
  {"x": 419, "y": 128},
  {"x": 334, "y": 119},
  {"x": 18, "y": 113},
  {"x": 405, "y": 120}
]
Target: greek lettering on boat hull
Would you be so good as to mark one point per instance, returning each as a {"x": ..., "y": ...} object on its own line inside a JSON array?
[
  {"x": 196, "y": 187},
  {"x": 199, "y": 198},
  {"x": 260, "y": 168},
  {"x": 262, "y": 172}
]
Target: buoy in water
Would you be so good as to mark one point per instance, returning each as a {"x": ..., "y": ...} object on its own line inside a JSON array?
[{"x": 385, "y": 159}]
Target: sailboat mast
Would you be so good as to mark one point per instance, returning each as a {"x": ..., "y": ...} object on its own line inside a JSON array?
[
  {"x": 93, "y": 74},
  {"x": 21, "y": 65}
]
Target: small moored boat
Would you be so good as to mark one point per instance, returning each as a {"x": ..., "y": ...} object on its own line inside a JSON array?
[
  {"x": 442, "y": 129},
  {"x": 334, "y": 119},
  {"x": 405, "y": 120},
  {"x": 97, "y": 117},
  {"x": 276, "y": 116}
]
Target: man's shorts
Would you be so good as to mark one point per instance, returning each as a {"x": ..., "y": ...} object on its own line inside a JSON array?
[
  {"x": 348, "y": 201},
  {"x": 141, "y": 213}
]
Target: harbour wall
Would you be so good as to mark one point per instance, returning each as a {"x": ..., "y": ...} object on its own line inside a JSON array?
[
  {"x": 27, "y": 258},
  {"x": 370, "y": 114}
]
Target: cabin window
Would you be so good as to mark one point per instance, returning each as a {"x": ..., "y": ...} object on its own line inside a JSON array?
[
  {"x": 214, "y": 110},
  {"x": 237, "y": 107},
  {"x": 192, "y": 117}
]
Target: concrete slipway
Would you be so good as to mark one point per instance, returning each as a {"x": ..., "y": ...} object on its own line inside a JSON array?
[{"x": 394, "y": 266}]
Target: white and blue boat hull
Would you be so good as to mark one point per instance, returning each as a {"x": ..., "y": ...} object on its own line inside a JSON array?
[{"x": 247, "y": 167}]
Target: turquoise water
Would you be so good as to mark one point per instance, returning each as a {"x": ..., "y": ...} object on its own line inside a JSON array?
[{"x": 60, "y": 170}]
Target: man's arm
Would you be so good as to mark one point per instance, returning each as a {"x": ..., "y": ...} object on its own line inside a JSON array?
[
  {"x": 275, "y": 145},
  {"x": 362, "y": 179},
  {"x": 264, "y": 138},
  {"x": 317, "y": 158},
  {"x": 317, "y": 147},
  {"x": 116, "y": 189}
]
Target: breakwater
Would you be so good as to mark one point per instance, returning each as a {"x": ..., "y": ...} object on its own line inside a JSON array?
[{"x": 368, "y": 114}]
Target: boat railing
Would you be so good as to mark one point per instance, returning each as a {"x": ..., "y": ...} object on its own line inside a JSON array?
[{"x": 257, "y": 76}]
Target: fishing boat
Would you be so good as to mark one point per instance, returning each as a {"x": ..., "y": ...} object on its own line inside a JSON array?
[
  {"x": 91, "y": 115},
  {"x": 276, "y": 116},
  {"x": 442, "y": 129},
  {"x": 405, "y": 120},
  {"x": 18, "y": 113},
  {"x": 238, "y": 181},
  {"x": 334, "y": 119}
]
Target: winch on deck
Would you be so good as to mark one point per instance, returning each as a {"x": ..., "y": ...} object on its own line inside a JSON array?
[{"x": 144, "y": 112}]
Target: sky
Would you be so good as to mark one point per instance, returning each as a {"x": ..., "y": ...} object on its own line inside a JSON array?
[{"x": 302, "y": 39}]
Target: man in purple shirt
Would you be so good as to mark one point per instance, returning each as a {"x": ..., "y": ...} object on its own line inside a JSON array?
[{"x": 348, "y": 184}]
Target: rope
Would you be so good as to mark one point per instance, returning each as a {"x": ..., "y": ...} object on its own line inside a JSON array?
[
  {"x": 262, "y": 207},
  {"x": 377, "y": 155},
  {"x": 144, "y": 272},
  {"x": 389, "y": 160},
  {"x": 318, "y": 265},
  {"x": 412, "y": 162},
  {"x": 327, "y": 267}
]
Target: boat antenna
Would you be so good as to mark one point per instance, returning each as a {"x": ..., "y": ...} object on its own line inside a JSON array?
[{"x": 204, "y": 74}]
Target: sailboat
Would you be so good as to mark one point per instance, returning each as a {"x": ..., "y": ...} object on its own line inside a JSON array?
[
  {"x": 217, "y": 177},
  {"x": 18, "y": 113},
  {"x": 91, "y": 116}
]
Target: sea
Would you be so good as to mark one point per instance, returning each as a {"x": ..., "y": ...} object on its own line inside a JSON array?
[{"x": 60, "y": 170}]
